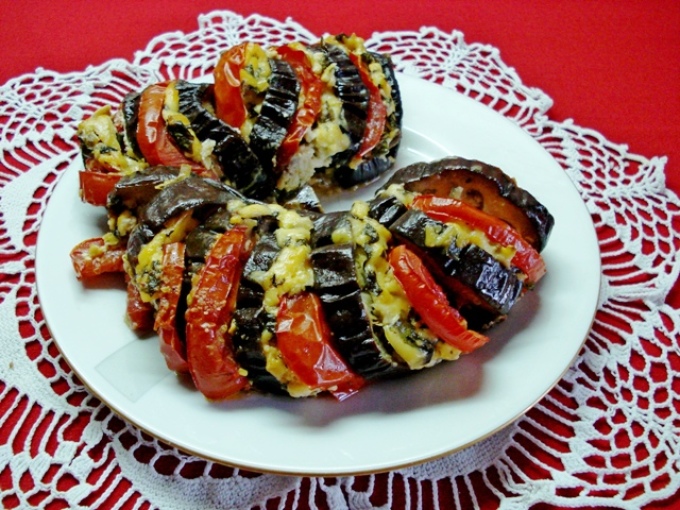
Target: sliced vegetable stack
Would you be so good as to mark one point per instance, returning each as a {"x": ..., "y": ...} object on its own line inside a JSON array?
[
  {"x": 216, "y": 227},
  {"x": 274, "y": 120},
  {"x": 286, "y": 299}
]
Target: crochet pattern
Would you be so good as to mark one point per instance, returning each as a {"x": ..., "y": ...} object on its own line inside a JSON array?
[{"x": 607, "y": 434}]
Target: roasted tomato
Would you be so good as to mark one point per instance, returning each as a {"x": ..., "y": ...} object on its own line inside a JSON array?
[
  {"x": 527, "y": 259},
  {"x": 304, "y": 339},
  {"x": 213, "y": 297},
  {"x": 93, "y": 257},
  {"x": 172, "y": 274},
  {"x": 311, "y": 88},
  {"x": 430, "y": 301},
  {"x": 153, "y": 138},
  {"x": 139, "y": 313},
  {"x": 229, "y": 105},
  {"x": 95, "y": 185},
  {"x": 377, "y": 111}
]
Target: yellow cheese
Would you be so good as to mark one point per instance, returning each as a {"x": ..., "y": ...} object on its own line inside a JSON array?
[
  {"x": 147, "y": 271},
  {"x": 98, "y": 136}
]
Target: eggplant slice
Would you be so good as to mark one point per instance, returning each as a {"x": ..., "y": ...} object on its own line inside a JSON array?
[
  {"x": 483, "y": 186},
  {"x": 357, "y": 337},
  {"x": 240, "y": 166},
  {"x": 384, "y": 155},
  {"x": 477, "y": 284},
  {"x": 277, "y": 110},
  {"x": 353, "y": 94}
]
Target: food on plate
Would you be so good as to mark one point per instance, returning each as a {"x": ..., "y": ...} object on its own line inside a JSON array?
[
  {"x": 215, "y": 225},
  {"x": 274, "y": 120}
]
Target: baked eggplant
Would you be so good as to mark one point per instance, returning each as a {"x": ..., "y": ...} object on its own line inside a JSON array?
[
  {"x": 352, "y": 93},
  {"x": 262, "y": 276},
  {"x": 382, "y": 136},
  {"x": 251, "y": 322},
  {"x": 240, "y": 167},
  {"x": 479, "y": 286},
  {"x": 483, "y": 186},
  {"x": 276, "y": 111}
]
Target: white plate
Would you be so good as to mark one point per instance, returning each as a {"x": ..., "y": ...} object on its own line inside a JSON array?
[{"x": 389, "y": 424}]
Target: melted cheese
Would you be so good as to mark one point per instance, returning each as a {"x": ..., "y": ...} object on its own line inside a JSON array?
[
  {"x": 463, "y": 235},
  {"x": 291, "y": 272},
  {"x": 147, "y": 270},
  {"x": 99, "y": 137}
]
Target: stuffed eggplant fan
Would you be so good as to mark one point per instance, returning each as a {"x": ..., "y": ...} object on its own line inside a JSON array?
[{"x": 214, "y": 222}]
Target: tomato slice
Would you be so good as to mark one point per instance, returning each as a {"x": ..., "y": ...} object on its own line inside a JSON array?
[
  {"x": 95, "y": 186},
  {"x": 172, "y": 275},
  {"x": 229, "y": 105},
  {"x": 311, "y": 89},
  {"x": 139, "y": 313},
  {"x": 527, "y": 259},
  {"x": 209, "y": 350},
  {"x": 430, "y": 301},
  {"x": 304, "y": 339},
  {"x": 155, "y": 143},
  {"x": 93, "y": 257},
  {"x": 377, "y": 111}
]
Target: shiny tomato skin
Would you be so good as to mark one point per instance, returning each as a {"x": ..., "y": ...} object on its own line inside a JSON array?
[
  {"x": 229, "y": 105},
  {"x": 172, "y": 275},
  {"x": 90, "y": 259},
  {"x": 376, "y": 115},
  {"x": 304, "y": 339},
  {"x": 527, "y": 259},
  {"x": 155, "y": 143},
  {"x": 311, "y": 88},
  {"x": 209, "y": 350},
  {"x": 430, "y": 301},
  {"x": 95, "y": 185}
]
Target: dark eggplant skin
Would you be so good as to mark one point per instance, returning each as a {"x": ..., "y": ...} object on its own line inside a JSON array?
[
  {"x": 302, "y": 199},
  {"x": 241, "y": 167},
  {"x": 325, "y": 225},
  {"x": 485, "y": 187},
  {"x": 499, "y": 287},
  {"x": 140, "y": 235},
  {"x": 478, "y": 285},
  {"x": 357, "y": 338},
  {"x": 139, "y": 188},
  {"x": 278, "y": 107},
  {"x": 250, "y": 323},
  {"x": 384, "y": 155},
  {"x": 130, "y": 110},
  {"x": 386, "y": 209},
  {"x": 190, "y": 193},
  {"x": 250, "y": 319},
  {"x": 350, "y": 89}
]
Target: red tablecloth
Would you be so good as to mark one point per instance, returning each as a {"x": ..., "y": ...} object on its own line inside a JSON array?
[{"x": 612, "y": 66}]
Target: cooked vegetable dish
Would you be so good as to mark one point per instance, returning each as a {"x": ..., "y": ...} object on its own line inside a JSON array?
[{"x": 215, "y": 224}]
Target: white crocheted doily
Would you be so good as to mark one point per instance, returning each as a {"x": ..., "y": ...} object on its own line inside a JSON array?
[{"x": 607, "y": 434}]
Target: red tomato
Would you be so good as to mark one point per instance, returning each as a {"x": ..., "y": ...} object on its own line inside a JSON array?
[
  {"x": 229, "y": 104},
  {"x": 526, "y": 258},
  {"x": 95, "y": 186},
  {"x": 311, "y": 88},
  {"x": 139, "y": 313},
  {"x": 172, "y": 274},
  {"x": 377, "y": 111},
  {"x": 209, "y": 349},
  {"x": 430, "y": 301},
  {"x": 155, "y": 143},
  {"x": 90, "y": 259},
  {"x": 304, "y": 339}
]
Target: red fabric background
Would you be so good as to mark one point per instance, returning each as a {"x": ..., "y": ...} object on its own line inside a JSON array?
[{"x": 613, "y": 66}]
